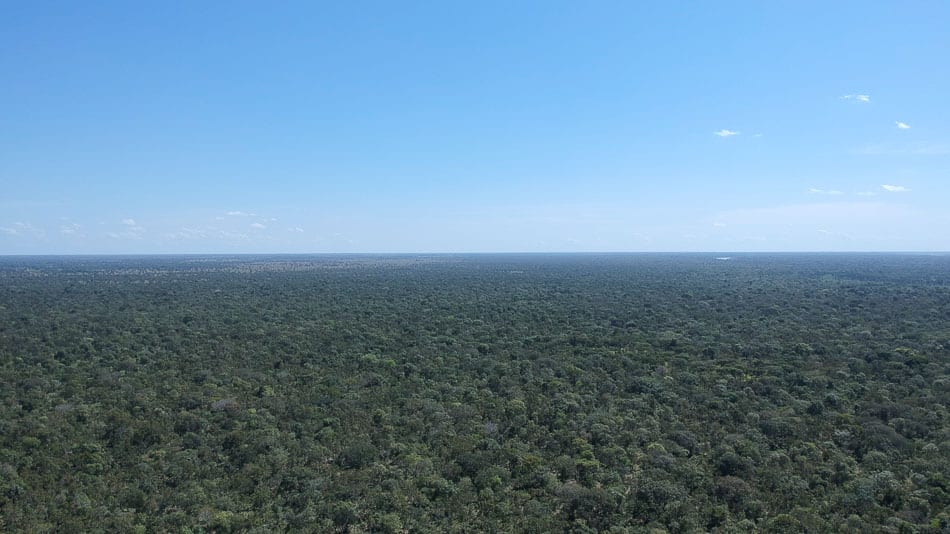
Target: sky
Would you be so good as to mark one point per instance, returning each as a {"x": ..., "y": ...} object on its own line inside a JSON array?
[{"x": 312, "y": 127}]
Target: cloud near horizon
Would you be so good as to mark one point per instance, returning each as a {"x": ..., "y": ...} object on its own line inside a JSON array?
[
  {"x": 69, "y": 229},
  {"x": 131, "y": 230},
  {"x": 816, "y": 191},
  {"x": 894, "y": 188},
  {"x": 726, "y": 133},
  {"x": 851, "y": 225}
]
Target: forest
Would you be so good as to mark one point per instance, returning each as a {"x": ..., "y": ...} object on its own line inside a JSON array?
[{"x": 619, "y": 393}]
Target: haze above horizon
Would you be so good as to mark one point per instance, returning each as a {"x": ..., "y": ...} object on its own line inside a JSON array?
[{"x": 538, "y": 127}]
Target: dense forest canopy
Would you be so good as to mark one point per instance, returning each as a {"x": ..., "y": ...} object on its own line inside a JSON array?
[{"x": 475, "y": 393}]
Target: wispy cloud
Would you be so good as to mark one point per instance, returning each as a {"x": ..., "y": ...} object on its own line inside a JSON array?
[
  {"x": 258, "y": 225},
  {"x": 919, "y": 149},
  {"x": 894, "y": 188},
  {"x": 815, "y": 191},
  {"x": 209, "y": 232},
  {"x": 858, "y": 98},
  {"x": 726, "y": 133},
  {"x": 831, "y": 233},
  {"x": 296, "y": 230},
  {"x": 902, "y": 125},
  {"x": 865, "y": 224},
  {"x": 22, "y": 229},
  {"x": 123, "y": 235},
  {"x": 837, "y": 216},
  {"x": 69, "y": 229},
  {"x": 232, "y": 235},
  {"x": 241, "y": 214},
  {"x": 188, "y": 233},
  {"x": 132, "y": 230}
]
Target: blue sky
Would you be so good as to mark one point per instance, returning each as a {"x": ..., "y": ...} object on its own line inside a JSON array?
[{"x": 130, "y": 127}]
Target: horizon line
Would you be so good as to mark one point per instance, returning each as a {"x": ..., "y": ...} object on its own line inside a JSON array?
[{"x": 472, "y": 253}]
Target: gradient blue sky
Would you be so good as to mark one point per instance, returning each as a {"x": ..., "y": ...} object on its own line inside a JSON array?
[{"x": 128, "y": 127}]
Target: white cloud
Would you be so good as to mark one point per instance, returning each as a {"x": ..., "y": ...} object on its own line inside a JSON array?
[
  {"x": 124, "y": 235},
  {"x": 918, "y": 149},
  {"x": 232, "y": 235},
  {"x": 830, "y": 233},
  {"x": 894, "y": 188},
  {"x": 726, "y": 133},
  {"x": 208, "y": 232},
  {"x": 258, "y": 226},
  {"x": 22, "y": 228},
  {"x": 820, "y": 225},
  {"x": 902, "y": 125},
  {"x": 825, "y": 191},
  {"x": 296, "y": 229},
  {"x": 69, "y": 229},
  {"x": 826, "y": 214},
  {"x": 865, "y": 224},
  {"x": 860, "y": 98},
  {"x": 718, "y": 224},
  {"x": 188, "y": 233},
  {"x": 132, "y": 230},
  {"x": 241, "y": 214}
]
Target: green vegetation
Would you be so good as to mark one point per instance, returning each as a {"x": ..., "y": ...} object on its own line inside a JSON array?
[{"x": 581, "y": 393}]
